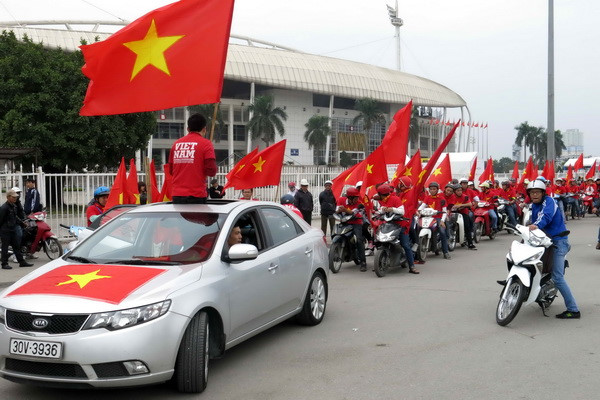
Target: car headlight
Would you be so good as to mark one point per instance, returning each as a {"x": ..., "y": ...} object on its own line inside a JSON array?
[{"x": 125, "y": 318}]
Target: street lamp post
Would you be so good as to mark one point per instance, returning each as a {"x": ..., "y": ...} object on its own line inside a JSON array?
[
  {"x": 550, "y": 150},
  {"x": 397, "y": 23}
]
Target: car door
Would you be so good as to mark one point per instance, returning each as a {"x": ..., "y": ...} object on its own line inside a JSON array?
[
  {"x": 254, "y": 297},
  {"x": 295, "y": 252}
]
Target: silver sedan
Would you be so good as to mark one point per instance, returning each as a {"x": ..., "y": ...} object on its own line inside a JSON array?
[{"x": 158, "y": 291}]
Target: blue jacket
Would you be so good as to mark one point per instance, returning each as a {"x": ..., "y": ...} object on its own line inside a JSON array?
[{"x": 547, "y": 216}]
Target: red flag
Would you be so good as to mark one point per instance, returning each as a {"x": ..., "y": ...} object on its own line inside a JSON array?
[
  {"x": 373, "y": 170},
  {"x": 133, "y": 193},
  {"x": 153, "y": 184},
  {"x": 578, "y": 163},
  {"x": 592, "y": 172},
  {"x": 570, "y": 173},
  {"x": 442, "y": 174},
  {"x": 347, "y": 177},
  {"x": 239, "y": 166},
  {"x": 435, "y": 156},
  {"x": 552, "y": 171},
  {"x": 473, "y": 169},
  {"x": 412, "y": 169},
  {"x": 172, "y": 56},
  {"x": 488, "y": 173},
  {"x": 264, "y": 169},
  {"x": 167, "y": 187},
  {"x": 546, "y": 170},
  {"x": 109, "y": 283},
  {"x": 529, "y": 171},
  {"x": 515, "y": 173},
  {"x": 118, "y": 191},
  {"x": 395, "y": 141}
]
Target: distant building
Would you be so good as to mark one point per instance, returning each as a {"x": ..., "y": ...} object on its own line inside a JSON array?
[
  {"x": 573, "y": 139},
  {"x": 517, "y": 152}
]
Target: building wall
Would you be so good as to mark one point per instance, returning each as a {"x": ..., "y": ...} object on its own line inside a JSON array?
[{"x": 573, "y": 139}]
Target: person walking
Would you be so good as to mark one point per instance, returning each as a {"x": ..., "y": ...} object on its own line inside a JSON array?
[
  {"x": 327, "y": 202},
  {"x": 32, "y": 197},
  {"x": 191, "y": 160},
  {"x": 8, "y": 230},
  {"x": 304, "y": 201}
]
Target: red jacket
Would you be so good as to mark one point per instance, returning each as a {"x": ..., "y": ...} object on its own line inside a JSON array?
[
  {"x": 343, "y": 201},
  {"x": 191, "y": 160}
]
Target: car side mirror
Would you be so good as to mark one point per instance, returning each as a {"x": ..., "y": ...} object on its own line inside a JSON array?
[{"x": 241, "y": 252}]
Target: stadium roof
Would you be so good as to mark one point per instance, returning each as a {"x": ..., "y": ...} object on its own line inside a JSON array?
[{"x": 282, "y": 67}]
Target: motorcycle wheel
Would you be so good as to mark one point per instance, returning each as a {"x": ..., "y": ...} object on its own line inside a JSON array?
[
  {"x": 508, "y": 308},
  {"x": 478, "y": 229},
  {"x": 335, "y": 257},
  {"x": 423, "y": 247},
  {"x": 52, "y": 248},
  {"x": 382, "y": 262},
  {"x": 452, "y": 241},
  {"x": 492, "y": 235}
]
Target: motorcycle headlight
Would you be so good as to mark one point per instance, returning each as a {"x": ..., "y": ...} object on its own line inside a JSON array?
[
  {"x": 125, "y": 318},
  {"x": 384, "y": 237},
  {"x": 425, "y": 223},
  {"x": 533, "y": 257},
  {"x": 535, "y": 241}
]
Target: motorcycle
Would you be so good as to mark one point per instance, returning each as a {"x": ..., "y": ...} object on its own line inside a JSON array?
[
  {"x": 457, "y": 233},
  {"x": 343, "y": 243},
  {"x": 503, "y": 222},
  {"x": 483, "y": 223},
  {"x": 428, "y": 233},
  {"x": 389, "y": 251},
  {"x": 37, "y": 235},
  {"x": 588, "y": 205},
  {"x": 529, "y": 275}
]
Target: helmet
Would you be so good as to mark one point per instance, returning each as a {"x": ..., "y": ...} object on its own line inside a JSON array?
[
  {"x": 16, "y": 189},
  {"x": 352, "y": 192},
  {"x": 101, "y": 191},
  {"x": 513, "y": 180},
  {"x": 450, "y": 185},
  {"x": 543, "y": 179},
  {"x": 291, "y": 184},
  {"x": 287, "y": 199},
  {"x": 465, "y": 180},
  {"x": 359, "y": 183},
  {"x": 470, "y": 182},
  {"x": 434, "y": 184},
  {"x": 536, "y": 184},
  {"x": 485, "y": 185},
  {"x": 303, "y": 182},
  {"x": 384, "y": 190},
  {"x": 406, "y": 181},
  {"x": 505, "y": 183},
  {"x": 328, "y": 182}
]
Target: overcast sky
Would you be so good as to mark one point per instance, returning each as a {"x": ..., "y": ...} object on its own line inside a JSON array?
[{"x": 492, "y": 53}]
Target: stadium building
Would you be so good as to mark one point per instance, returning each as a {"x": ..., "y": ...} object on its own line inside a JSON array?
[{"x": 302, "y": 84}]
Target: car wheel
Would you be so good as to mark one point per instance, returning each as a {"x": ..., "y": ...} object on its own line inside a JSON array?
[
  {"x": 191, "y": 367},
  {"x": 52, "y": 248},
  {"x": 315, "y": 301}
]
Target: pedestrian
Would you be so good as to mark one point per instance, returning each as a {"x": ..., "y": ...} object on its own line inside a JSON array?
[
  {"x": 20, "y": 216},
  {"x": 8, "y": 232},
  {"x": 304, "y": 201},
  {"x": 143, "y": 191},
  {"x": 328, "y": 205},
  {"x": 292, "y": 188},
  {"x": 191, "y": 160},
  {"x": 215, "y": 191},
  {"x": 32, "y": 197}
]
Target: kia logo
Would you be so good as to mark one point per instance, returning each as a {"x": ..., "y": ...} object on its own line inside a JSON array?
[{"x": 40, "y": 323}]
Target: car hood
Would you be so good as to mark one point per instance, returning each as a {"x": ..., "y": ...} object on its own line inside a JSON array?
[{"x": 63, "y": 287}]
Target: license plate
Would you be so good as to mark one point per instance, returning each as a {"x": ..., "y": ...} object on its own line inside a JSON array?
[{"x": 36, "y": 348}]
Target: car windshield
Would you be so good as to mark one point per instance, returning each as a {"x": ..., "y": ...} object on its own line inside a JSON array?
[{"x": 151, "y": 238}]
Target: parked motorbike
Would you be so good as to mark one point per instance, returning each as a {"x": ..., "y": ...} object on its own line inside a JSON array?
[
  {"x": 37, "y": 235},
  {"x": 77, "y": 232},
  {"x": 529, "y": 275},
  {"x": 429, "y": 239},
  {"x": 343, "y": 243},
  {"x": 483, "y": 222},
  {"x": 389, "y": 251}
]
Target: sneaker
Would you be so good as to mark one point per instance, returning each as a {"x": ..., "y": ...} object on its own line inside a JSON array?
[
  {"x": 6, "y": 266},
  {"x": 447, "y": 256},
  {"x": 413, "y": 270},
  {"x": 598, "y": 246},
  {"x": 363, "y": 266},
  {"x": 569, "y": 315},
  {"x": 419, "y": 262},
  {"x": 25, "y": 264},
  {"x": 472, "y": 247}
]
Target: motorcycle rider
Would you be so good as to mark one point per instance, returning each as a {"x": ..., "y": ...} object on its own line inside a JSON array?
[
  {"x": 463, "y": 205},
  {"x": 96, "y": 206},
  {"x": 488, "y": 196},
  {"x": 545, "y": 215},
  {"x": 508, "y": 193},
  {"x": 437, "y": 202},
  {"x": 390, "y": 203},
  {"x": 287, "y": 200},
  {"x": 350, "y": 204}
]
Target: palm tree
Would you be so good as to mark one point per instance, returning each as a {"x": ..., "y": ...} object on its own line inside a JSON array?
[
  {"x": 541, "y": 145},
  {"x": 207, "y": 111},
  {"x": 317, "y": 130},
  {"x": 267, "y": 120},
  {"x": 526, "y": 138},
  {"x": 370, "y": 114}
]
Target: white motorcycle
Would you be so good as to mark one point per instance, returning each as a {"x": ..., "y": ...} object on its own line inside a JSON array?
[
  {"x": 457, "y": 234},
  {"x": 529, "y": 276},
  {"x": 429, "y": 239}
]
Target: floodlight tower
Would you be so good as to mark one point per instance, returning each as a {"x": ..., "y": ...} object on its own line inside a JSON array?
[{"x": 397, "y": 23}]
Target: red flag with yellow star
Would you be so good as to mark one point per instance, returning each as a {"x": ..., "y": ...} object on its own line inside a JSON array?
[
  {"x": 412, "y": 169},
  {"x": 263, "y": 169},
  {"x": 442, "y": 174},
  {"x": 395, "y": 141},
  {"x": 172, "y": 56},
  {"x": 515, "y": 173},
  {"x": 109, "y": 283},
  {"x": 473, "y": 169},
  {"x": 578, "y": 163},
  {"x": 239, "y": 166},
  {"x": 488, "y": 172},
  {"x": 132, "y": 184},
  {"x": 347, "y": 177},
  {"x": 373, "y": 170},
  {"x": 118, "y": 191}
]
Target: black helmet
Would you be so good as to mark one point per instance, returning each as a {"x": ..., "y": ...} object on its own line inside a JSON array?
[
  {"x": 287, "y": 199},
  {"x": 434, "y": 184}
]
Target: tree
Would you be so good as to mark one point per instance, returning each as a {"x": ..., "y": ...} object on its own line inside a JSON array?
[
  {"x": 267, "y": 120},
  {"x": 542, "y": 143},
  {"x": 346, "y": 159},
  {"x": 207, "y": 111},
  {"x": 370, "y": 114},
  {"x": 41, "y": 92},
  {"x": 317, "y": 130},
  {"x": 526, "y": 138},
  {"x": 504, "y": 165}
]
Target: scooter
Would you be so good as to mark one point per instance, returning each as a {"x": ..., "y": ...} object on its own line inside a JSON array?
[
  {"x": 456, "y": 230},
  {"x": 529, "y": 275},
  {"x": 389, "y": 251},
  {"x": 343, "y": 243},
  {"x": 429, "y": 239},
  {"x": 503, "y": 222},
  {"x": 483, "y": 223},
  {"x": 37, "y": 235}
]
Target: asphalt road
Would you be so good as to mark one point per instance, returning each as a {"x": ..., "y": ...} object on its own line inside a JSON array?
[{"x": 427, "y": 336}]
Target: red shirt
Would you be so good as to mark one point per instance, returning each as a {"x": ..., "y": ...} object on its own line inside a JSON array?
[
  {"x": 489, "y": 198},
  {"x": 437, "y": 202},
  {"x": 464, "y": 199},
  {"x": 192, "y": 159},
  {"x": 591, "y": 190},
  {"x": 509, "y": 194},
  {"x": 450, "y": 200},
  {"x": 94, "y": 209},
  {"x": 343, "y": 201},
  {"x": 560, "y": 189}
]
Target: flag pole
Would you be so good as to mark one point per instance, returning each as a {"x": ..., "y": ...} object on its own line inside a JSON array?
[
  {"x": 276, "y": 192},
  {"x": 148, "y": 183},
  {"x": 214, "y": 121}
]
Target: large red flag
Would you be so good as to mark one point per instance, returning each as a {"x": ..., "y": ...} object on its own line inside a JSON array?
[
  {"x": 552, "y": 171},
  {"x": 133, "y": 193},
  {"x": 442, "y": 174},
  {"x": 546, "y": 170},
  {"x": 172, "y": 56},
  {"x": 167, "y": 187},
  {"x": 412, "y": 169},
  {"x": 395, "y": 141},
  {"x": 347, "y": 177},
  {"x": 118, "y": 192},
  {"x": 264, "y": 169},
  {"x": 239, "y": 166},
  {"x": 488, "y": 173},
  {"x": 373, "y": 170},
  {"x": 473, "y": 169},
  {"x": 529, "y": 171},
  {"x": 435, "y": 156},
  {"x": 578, "y": 163},
  {"x": 570, "y": 174},
  {"x": 592, "y": 172},
  {"x": 515, "y": 173}
]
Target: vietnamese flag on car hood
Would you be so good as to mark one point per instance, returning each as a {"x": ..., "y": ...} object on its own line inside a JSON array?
[{"x": 109, "y": 283}]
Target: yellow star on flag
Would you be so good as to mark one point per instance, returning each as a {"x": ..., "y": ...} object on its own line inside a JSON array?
[
  {"x": 421, "y": 175},
  {"x": 83, "y": 279},
  {"x": 437, "y": 172},
  {"x": 370, "y": 168},
  {"x": 408, "y": 171},
  {"x": 259, "y": 164},
  {"x": 394, "y": 176},
  {"x": 241, "y": 166},
  {"x": 150, "y": 50},
  {"x": 349, "y": 175}
]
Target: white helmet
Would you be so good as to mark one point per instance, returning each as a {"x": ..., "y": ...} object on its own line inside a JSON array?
[{"x": 536, "y": 184}]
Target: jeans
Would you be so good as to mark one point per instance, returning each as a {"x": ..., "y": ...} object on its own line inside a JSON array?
[
  {"x": 360, "y": 242},
  {"x": 324, "y": 219},
  {"x": 494, "y": 219},
  {"x": 443, "y": 235},
  {"x": 575, "y": 210},
  {"x": 558, "y": 272},
  {"x": 406, "y": 245},
  {"x": 468, "y": 223},
  {"x": 511, "y": 212}
]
